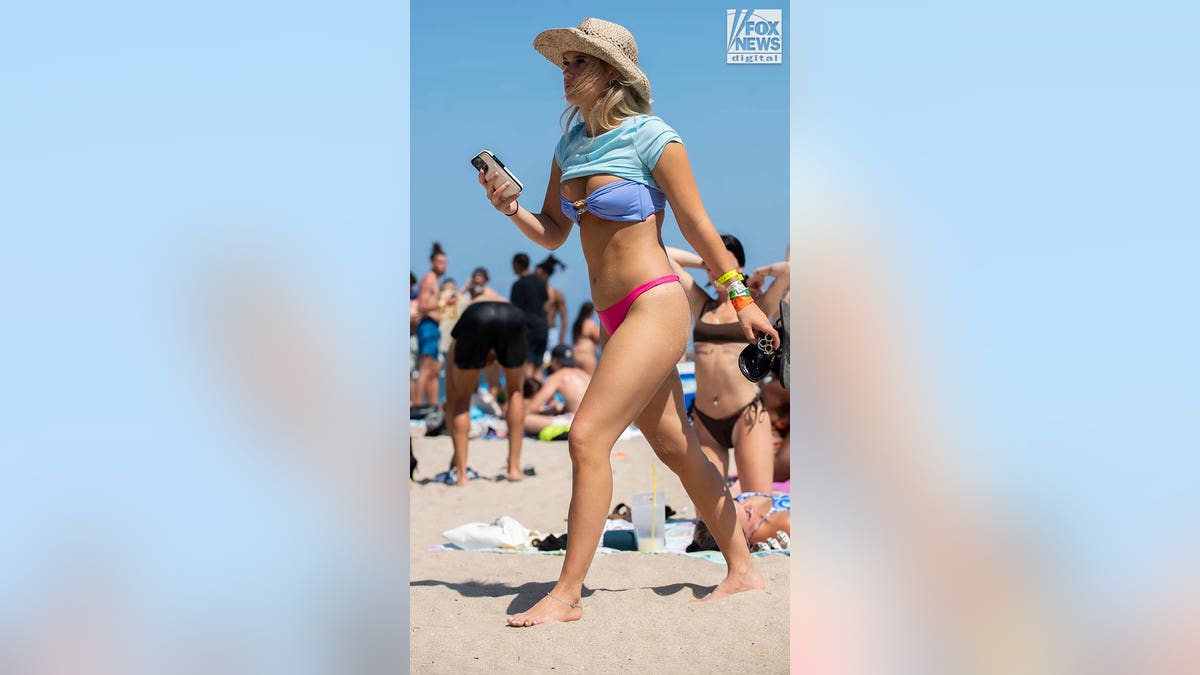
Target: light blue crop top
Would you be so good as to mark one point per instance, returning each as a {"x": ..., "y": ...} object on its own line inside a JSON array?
[{"x": 631, "y": 152}]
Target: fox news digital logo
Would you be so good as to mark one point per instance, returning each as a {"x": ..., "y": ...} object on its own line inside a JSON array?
[{"x": 754, "y": 36}]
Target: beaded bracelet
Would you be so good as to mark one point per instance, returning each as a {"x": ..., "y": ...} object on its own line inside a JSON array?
[{"x": 729, "y": 275}]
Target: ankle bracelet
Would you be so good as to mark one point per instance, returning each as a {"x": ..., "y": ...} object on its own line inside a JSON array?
[{"x": 574, "y": 606}]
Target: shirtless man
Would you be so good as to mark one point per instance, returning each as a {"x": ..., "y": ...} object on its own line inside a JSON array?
[
  {"x": 414, "y": 357},
  {"x": 556, "y": 306},
  {"x": 428, "y": 332},
  {"x": 477, "y": 289},
  {"x": 567, "y": 379}
]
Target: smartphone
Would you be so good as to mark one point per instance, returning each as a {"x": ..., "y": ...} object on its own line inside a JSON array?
[{"x": 488, "y": 163}]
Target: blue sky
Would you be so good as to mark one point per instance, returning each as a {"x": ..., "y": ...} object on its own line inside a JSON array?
[
  {"x": 1037, "y": 162},
  {"x": 480, "y": 84}
]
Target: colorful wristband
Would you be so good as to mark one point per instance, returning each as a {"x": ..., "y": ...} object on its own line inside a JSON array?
[
  {"x": 741, "y": 301},
  {"x": 729, "y": 275},
  {"x": 737, "y": 288}
]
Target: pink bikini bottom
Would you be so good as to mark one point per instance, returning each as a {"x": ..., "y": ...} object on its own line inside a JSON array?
[{"x": 612, "y": 317}]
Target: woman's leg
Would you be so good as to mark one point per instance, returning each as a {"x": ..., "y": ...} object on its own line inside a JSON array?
[
  {"x": 754, "y": 450},
  {"x": 665, "y": 426},
  {"x": 638, "y": 359}
]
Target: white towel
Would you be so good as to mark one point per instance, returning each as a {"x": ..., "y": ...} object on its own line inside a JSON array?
[{"x": 506, "y": 532}]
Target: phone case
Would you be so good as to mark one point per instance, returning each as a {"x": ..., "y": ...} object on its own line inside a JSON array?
[{"x": 487, "y": 162}]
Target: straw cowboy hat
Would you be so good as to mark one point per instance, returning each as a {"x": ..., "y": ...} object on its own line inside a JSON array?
[{"x": 605, "y": 40}]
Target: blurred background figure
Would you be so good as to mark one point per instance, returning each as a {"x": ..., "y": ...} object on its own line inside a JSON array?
[
  {"x": 450, "y": 304},
  {"x": 530, "y": 295},
  {"x": 777, "y": 401},
  {"x": 414, "y": 362},
  {"x": 585, "y": 338},
  {"x": 556, "y": 306},
  {"x": 566, "y": 380},
  {"x": 428, "y": 331},
  {"x": 477, "y": 288}
]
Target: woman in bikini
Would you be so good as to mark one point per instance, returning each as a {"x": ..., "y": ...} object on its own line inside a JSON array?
[
  {"x": 585, "y": 338},
  {"x": 612, "y": 173},
  {"x": 727, "y": 410},
  {"x": 765, "y": 520}
]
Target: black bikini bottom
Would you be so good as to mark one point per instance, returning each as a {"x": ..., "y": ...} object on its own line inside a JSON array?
[{"x": 722, "y": 429}]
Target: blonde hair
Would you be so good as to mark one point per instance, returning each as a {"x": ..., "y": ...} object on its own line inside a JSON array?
[{"x": 618, "y": 101}]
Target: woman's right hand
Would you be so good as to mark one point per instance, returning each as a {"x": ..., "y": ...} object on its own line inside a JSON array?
[
  {"x": 495, "y": 187},
  {"x": 755, "y": 323}
]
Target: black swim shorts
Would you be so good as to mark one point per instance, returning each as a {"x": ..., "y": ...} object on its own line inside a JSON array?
[{"x": 489, "y": 326}]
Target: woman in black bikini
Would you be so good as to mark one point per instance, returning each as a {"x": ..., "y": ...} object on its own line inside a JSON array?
[{"x": 727, "y": 411}]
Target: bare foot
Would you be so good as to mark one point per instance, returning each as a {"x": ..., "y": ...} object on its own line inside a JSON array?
[
  {"x": 749, "y": 580},
  {"x": 515, "y": 476},
  {"x": 549, "y": 608}
]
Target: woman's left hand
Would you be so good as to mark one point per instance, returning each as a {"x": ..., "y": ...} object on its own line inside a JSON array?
[{"x": 755, "y": 322}]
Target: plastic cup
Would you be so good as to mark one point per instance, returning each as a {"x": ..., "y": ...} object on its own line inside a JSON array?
[{"x": 650, "y": 520}]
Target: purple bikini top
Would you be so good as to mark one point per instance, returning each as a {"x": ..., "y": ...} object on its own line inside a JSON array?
[{"x": 623, "y": 201}]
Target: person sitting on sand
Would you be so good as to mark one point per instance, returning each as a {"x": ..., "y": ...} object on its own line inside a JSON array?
[{"x": 567, "y": 379}]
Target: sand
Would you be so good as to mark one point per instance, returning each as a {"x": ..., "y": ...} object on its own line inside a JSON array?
[{"x": 639, "y": 613}]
